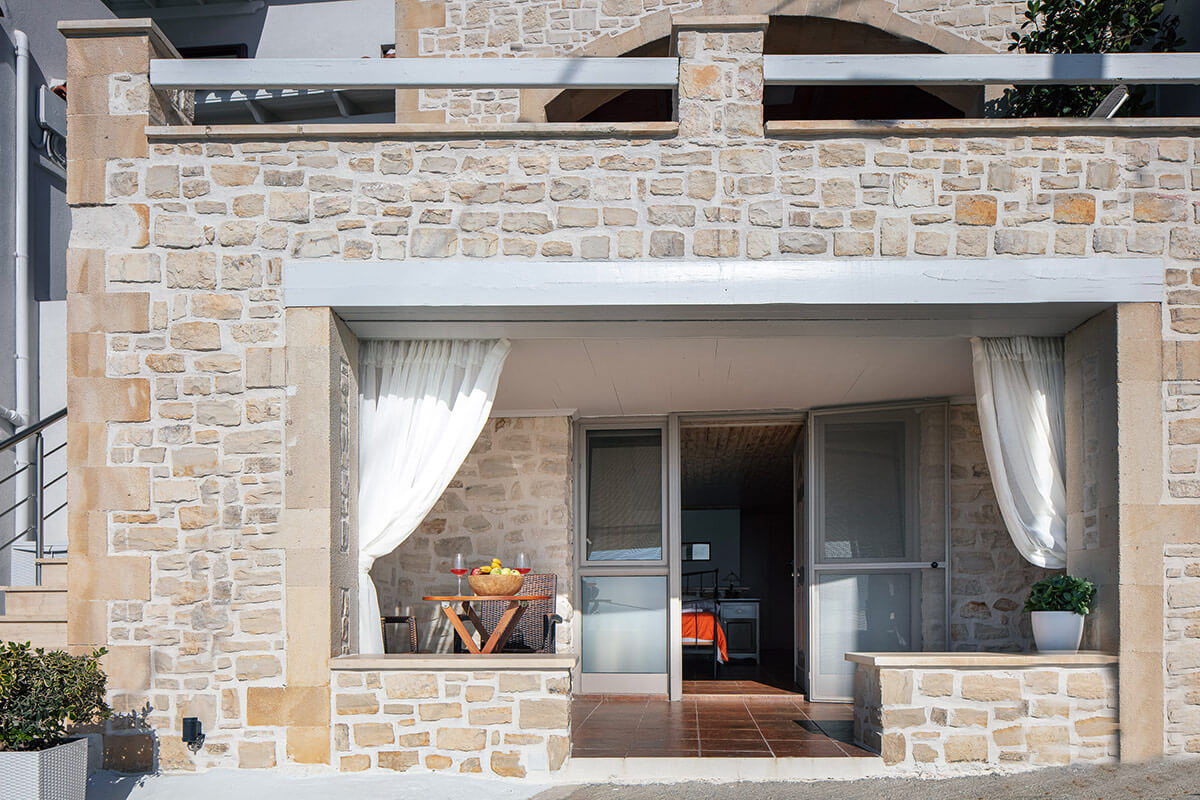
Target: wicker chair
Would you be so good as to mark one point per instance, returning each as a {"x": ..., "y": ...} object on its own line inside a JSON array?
[
  {"x": 411, "y": 621},
  {"x": 535, "y": 632}
]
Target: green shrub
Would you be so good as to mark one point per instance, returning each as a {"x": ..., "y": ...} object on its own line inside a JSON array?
[
  {"x": 43, "y": 693},
  {"x": 1061, "y": 593},
  {"x": 1086, "y": 26}
]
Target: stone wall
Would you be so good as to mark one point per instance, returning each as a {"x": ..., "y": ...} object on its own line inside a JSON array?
[
  {"x": 512, "y": 493},
  {"x": 532, "y": 28},
  {"x": 1182, "y": 636},
  {"x": 989, "y": 579},
  {"x": 924, "y": 719},
  {"x": 506, "y": 723}
]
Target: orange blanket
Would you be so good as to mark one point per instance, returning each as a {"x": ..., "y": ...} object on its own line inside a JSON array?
[{"x": 698, "y": 628}]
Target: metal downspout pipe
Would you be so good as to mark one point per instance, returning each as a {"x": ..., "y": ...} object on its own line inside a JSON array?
[{"x": 24, "y": 483}]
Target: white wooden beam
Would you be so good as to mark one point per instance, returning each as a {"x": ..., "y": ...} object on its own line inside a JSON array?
[
  {"x": 976, "y": 68},
  {"x": 425, "y": 73},
  {"x": 563, "y": 287}
]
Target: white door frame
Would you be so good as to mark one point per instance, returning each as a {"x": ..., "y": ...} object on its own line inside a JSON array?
[
  {"x": 616, "y": 683},
  {"x": 813, "y": 477},
  {"x": 675, "y": 422}
]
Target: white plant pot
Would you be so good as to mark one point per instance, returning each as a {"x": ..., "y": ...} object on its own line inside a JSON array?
[
  {"x": 1057, "y": 631},
  {"x": 59, "y": 773}
]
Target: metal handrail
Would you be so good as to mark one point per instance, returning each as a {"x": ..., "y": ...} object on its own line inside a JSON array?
[
  {"x": 33, "y": 429},
  {"x": 38, "y": 497}
]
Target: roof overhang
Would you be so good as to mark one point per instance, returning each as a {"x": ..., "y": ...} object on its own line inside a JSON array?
[{"x": 909, "y": 297}]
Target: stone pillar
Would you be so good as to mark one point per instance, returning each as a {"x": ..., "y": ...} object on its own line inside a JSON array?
[
  {"x": 109, "y": 105},
  {"x": 110, "y": 102},
  {"x": 413, "y": 16},
  {"x": 720, "y": 76},
  {"x": 1146, "y": 526},
  {"x": 1090, "y": 356}
]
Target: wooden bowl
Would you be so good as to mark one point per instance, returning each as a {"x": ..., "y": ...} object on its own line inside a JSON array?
[{"x": 496, "y": 585}]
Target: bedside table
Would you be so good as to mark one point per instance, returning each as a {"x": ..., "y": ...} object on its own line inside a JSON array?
[{"x": 739, "y": 618}]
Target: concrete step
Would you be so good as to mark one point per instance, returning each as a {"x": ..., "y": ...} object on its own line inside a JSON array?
[
  {"x": 47, "y": 632},
  {"x": 35, "y": 601},
  {"x": 54, "y": 572}
]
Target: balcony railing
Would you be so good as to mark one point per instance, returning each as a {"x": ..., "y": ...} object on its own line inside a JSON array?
[{"x": 663, "y": 73}]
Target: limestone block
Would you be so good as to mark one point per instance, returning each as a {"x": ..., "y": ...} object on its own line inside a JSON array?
[
  {"x": 723, "y": 243},
  {"x": 373, "y": 734},
  {"x": 191, "y": 270},
  {"x": 162, "y": 181},
  {"x": 134, "y": 268},
  {"x": 196, "y": 336},
  {"x": 256, "y": 755},
  {"x": 1154, "y": 207},
  {"x": 551, "y": 713},
  {"x": 430, "y": 712},
  {"x": 233, "y": 174},
  {"x": 356, "y": 703},
  {"x": 177, "y": 231},
  {"x": 966, "y": 748},
  {"x": 517, "y": 682},
  {"x": 853, "y": 243},
  {"x": 412, "y": 685},
  {"x": 839, "y": 154},
  {"x": 802, "y": 242},
  {"x": 1086, "y": 685},
  {"x": 666, "y": 244},
  {"x": 507, "y": 765},
  {"x": 976, "y": 209},
  {"x": 468, "y": 739},
  {"x": 398, "y": 760},
  {"x": 989, "y": 688}
]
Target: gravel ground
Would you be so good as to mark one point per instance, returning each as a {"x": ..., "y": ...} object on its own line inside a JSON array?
[{"x": 1154, "y": 781}]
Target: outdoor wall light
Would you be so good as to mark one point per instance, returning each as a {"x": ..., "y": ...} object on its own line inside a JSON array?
[{"x": 193, "y": 733}]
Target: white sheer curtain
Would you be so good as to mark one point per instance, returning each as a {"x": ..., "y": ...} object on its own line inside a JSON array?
[
  {"x": 423, "y": 405},
  {"x": 1019, "y": 388}
]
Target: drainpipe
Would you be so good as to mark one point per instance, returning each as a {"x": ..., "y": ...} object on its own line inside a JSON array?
[{"x": 24, "y": 486}]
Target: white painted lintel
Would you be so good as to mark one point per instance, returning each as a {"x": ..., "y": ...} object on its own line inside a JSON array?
[{"x": 528, "y": 286}]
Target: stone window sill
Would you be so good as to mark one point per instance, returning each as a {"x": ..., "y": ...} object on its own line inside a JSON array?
[
  {"x": 454, "y": 662},
  {"x": 504, "y": 130},
  {"x": 981, "y": 660},
  {"x": 984, "y": 127}
]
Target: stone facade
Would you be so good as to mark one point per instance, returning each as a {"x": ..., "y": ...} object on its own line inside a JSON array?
[
  {"x": 930, "y": 718},
  {"x": 202, "y": 548},
  {"x": 512, "y": 493},
  {"x": 505, "y": 723}
]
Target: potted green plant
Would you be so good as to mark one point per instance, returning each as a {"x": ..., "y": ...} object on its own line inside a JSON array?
[
  {"x": 1058, "y": 605},
  {"x": 43, "y": 695}
]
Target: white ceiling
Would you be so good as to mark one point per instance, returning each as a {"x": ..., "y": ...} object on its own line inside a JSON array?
[{"x": 601, "y": 377}]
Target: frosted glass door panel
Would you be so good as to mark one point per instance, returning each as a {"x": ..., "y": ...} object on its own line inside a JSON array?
[
  {"x": 624, "y": 495},
  {"x": 625, "y": 624},
  {"x": 865, "y": 498},
  {"x": 860, "y": 612}
]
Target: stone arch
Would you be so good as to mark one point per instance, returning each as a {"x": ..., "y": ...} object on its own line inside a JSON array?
[{"x": 878, "y": 14}]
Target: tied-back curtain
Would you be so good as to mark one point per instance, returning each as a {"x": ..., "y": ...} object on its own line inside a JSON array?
[
  {"x": 1019, "y": 388},
  {"x": 423, "y": 405}
]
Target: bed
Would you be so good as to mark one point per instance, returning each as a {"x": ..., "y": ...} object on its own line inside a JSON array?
[{"x": 702, "y": 616}]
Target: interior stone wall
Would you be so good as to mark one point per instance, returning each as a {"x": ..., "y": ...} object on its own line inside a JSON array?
[
  {"x": 989, "y": 579},
  {"x": 513, "y": 493}
]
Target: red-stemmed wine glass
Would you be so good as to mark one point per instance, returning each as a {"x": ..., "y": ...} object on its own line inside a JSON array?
[{"x": 459, "y": 568}]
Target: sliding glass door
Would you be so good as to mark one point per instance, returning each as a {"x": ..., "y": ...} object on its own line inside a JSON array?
[
  {"x": 623, "y": 558},
  {"x": 877, "y": 544}
]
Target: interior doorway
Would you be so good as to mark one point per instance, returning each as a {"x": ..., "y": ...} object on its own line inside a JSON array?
[{"x": 739, "y": 515}]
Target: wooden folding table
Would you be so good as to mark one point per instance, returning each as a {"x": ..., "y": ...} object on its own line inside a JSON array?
[{"x": 493, "y": 641}]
